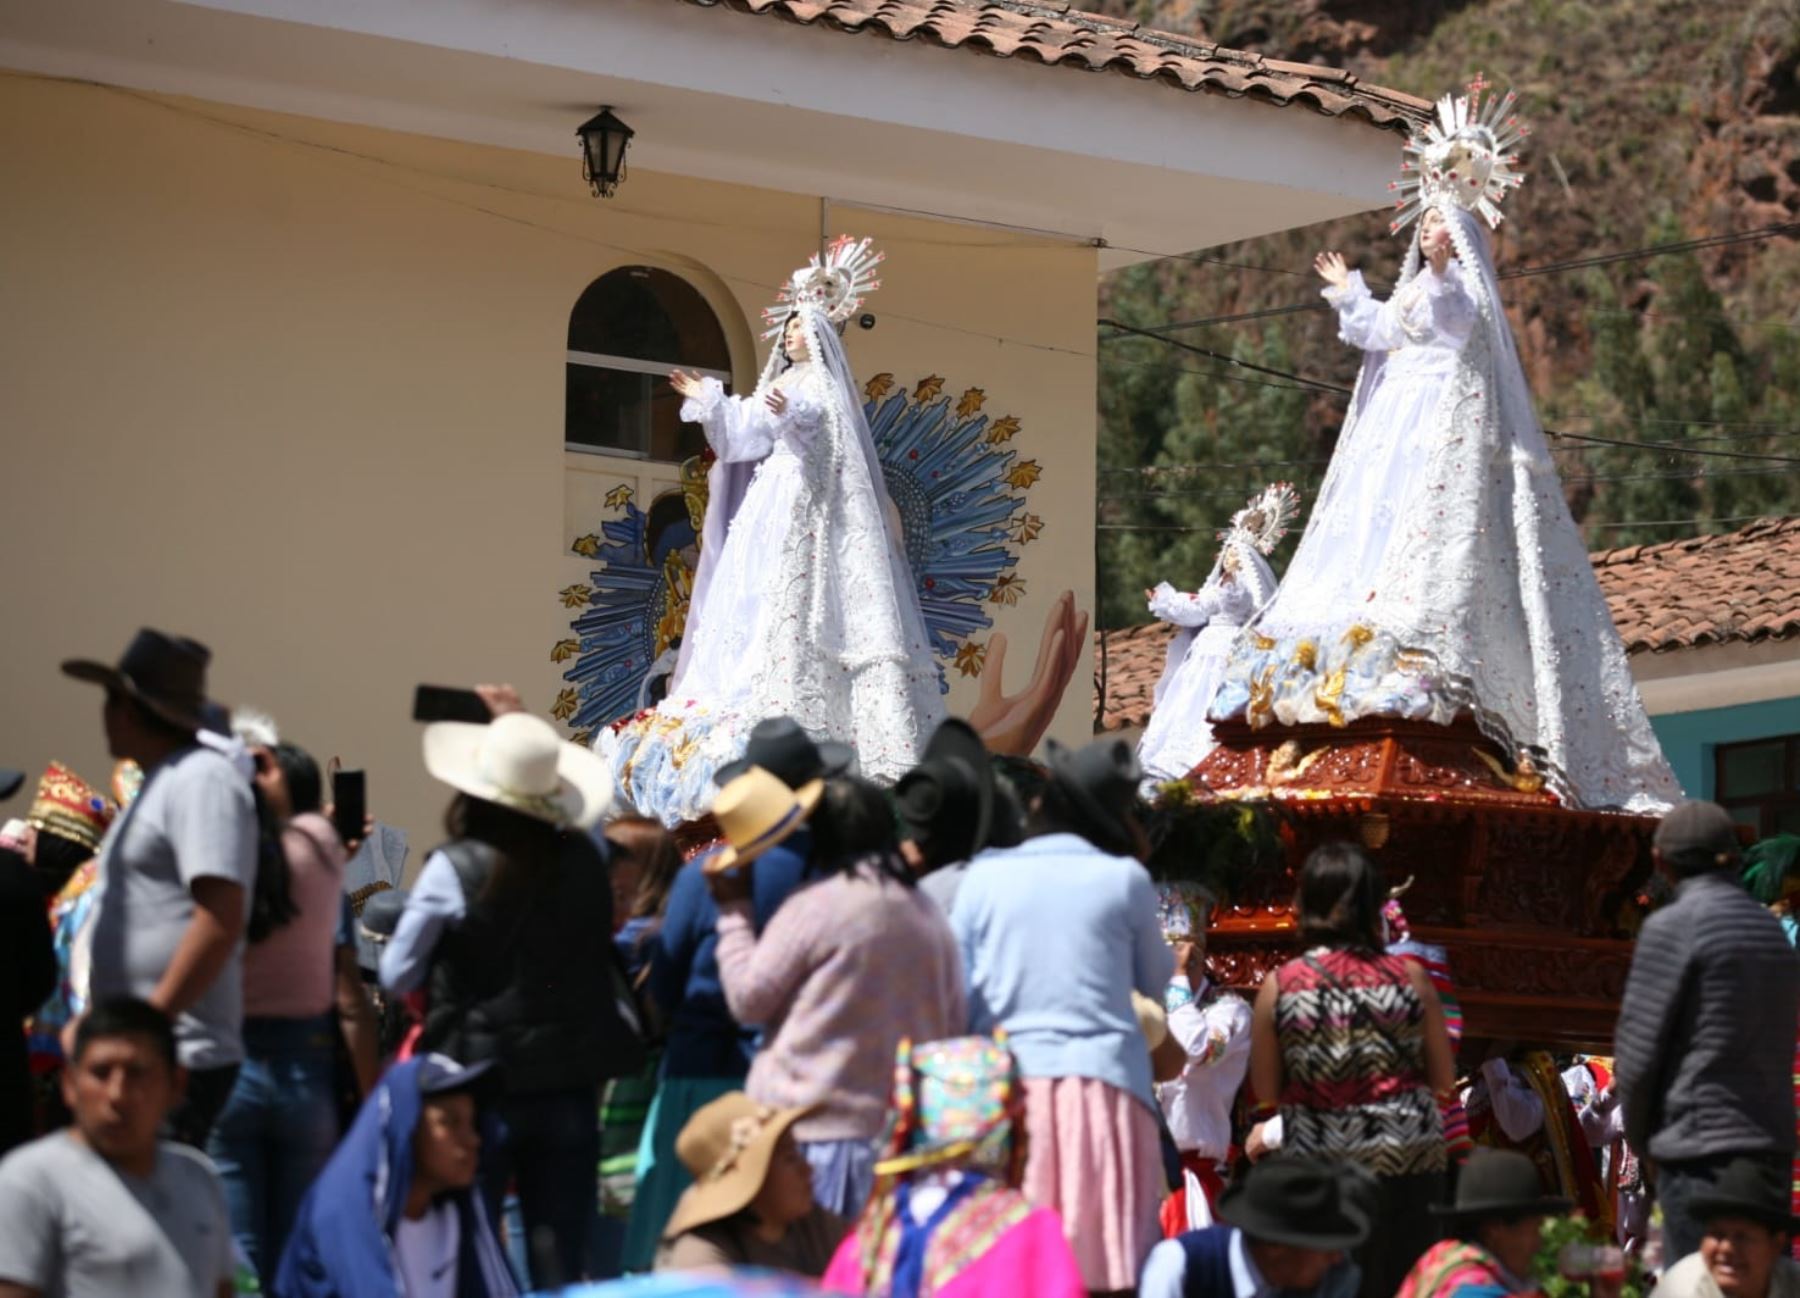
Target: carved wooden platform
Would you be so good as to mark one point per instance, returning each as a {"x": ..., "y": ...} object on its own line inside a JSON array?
[{"x": 1534, "y": 902}]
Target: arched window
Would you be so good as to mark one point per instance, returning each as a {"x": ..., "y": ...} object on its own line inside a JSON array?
[{"x": 628, "y": 330}]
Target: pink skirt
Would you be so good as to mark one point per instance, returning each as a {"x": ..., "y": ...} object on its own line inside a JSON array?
[{"x": 1092, "y": 1156}]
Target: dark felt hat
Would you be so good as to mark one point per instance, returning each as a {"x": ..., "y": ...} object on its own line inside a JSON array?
[
  {"x": 784, "y": 750},
  {"x": 166, "y": 673},
  {"x": 10, "y": 780},
  {"x": 1500, "y": 1183},
  {"x": 939, "y": 805},
  {"x": 956, "y": 740},
  {"x": 1751, "y": 1190},
  {"x": 1101, "y": 781},
  {"x": 1298, "y": 1201}
]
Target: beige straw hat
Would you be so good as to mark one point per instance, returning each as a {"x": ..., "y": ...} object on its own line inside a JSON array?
[
  {"x": 727, "y": 1146},
  {"x": 518, "y": 761},
  {"x": 755, "y": 812}
]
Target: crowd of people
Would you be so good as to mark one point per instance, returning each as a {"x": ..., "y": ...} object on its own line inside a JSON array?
[{"x": 945, "y": 1037}]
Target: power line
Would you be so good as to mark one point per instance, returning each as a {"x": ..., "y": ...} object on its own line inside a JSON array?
[
  {"x": 1517, "y": 272},
  {"x": 1318, "y": 385}
]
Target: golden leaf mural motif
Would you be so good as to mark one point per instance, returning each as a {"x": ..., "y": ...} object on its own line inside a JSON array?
[
  {"x": 1024, "y": 473},
  {"x": 565, "y": 650},
  {"x": 566, "y": 703},
  {"x": 878, "y": 387},
  {"x": 588, "y": 547},
  {"x": 971, "y": 657},
  {"x": 576, "y": 596},
  {"x": 620, "y": 496},
  {"x": 1007, "y": 590},
  {"x": 585, "y": 738},
  {"x": 970, "y": 403},
  {"x": 928, "y": 389},
  {"x": 1027, "y": 528},
  {"x": 1003, "y": 429}
]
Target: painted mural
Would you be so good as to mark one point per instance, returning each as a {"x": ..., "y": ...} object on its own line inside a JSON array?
[{"x": 961, "y": 492}]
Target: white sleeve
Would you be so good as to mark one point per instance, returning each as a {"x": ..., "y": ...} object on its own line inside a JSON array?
[
  {"x": 1362, "y": 321},
  {"x": 435, "y": 902},
  {"x": 1517, "y": 1107},
  {"x": 737, "y": 428},
  {"x": 1165, "y": 1271}
]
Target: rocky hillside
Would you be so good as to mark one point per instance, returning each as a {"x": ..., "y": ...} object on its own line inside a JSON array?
[{"x": 1654, "y": 122}]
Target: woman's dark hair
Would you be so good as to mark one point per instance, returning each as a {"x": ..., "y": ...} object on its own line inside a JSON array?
[
  {"x": 854, "y": 825},
  {"x": 58, "y": 857},
  {"x": 272, "y": 895},
  {"x": 525, "y": 843},
  {"x": 658, "y": 857},
  {"x": 305, "y": 786},
  {"x": 1340, "y": 898}
]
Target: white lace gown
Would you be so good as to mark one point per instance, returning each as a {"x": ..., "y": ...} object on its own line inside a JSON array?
[
  {"x": 738, "y": 616},
  {"x": 1422, "y": 328},
  {"x": 1441, "y": 574},
  {"x": 1207, "y": 621}
]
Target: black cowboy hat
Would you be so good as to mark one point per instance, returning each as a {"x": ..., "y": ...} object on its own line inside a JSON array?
[
  {"x": 787, "y": 752},
  {"x": 166, "y": 673},
  {"x": 1751, "y": 1190},
  {"x": 1297, "y": 1201},
  {"x": 955, "y": 740},
  {"x": 939, "y": 803},
  {"x": 1101, "y": 780},
  {"x": 1500, "y": 1183}
]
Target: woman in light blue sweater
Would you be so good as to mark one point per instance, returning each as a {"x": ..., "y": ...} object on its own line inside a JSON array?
[{"x": 1055, "y": 936}]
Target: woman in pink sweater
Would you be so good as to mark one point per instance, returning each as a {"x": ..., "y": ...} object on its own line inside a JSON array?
[{"x": 850, "y": 964}]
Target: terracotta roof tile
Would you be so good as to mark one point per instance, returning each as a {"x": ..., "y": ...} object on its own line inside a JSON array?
[
  {"x": 1055, "y": 34},
  {"x": 1741, "y": 586}
]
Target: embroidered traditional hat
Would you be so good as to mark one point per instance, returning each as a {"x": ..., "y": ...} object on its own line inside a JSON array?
[
  {"x": 166, "y": 673},
  {"x": 755, "y": 812},
  {"x": 955, "y": 1101},
  {"x": 69, "y": 807},
  {"x": 518, "y": 761},
  {"x": 727, "y": 1146}
]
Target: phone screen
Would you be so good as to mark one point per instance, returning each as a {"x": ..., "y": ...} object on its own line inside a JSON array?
[
  {"x": 449, "y": 703},
  {"x": 349, "y": 803}
]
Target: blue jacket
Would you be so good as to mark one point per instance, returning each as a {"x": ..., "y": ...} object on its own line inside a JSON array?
[
  {"x": 703, "y": 1039},
  {"x": 342, "y": 1244}
]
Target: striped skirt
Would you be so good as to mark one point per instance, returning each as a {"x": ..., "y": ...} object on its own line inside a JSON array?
[{"x": 1093, "y": 1157}]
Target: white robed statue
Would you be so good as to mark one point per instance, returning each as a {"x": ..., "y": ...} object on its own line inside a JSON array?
[
  {"x": 1206, "y": 622},
  {"x": 803, "y": 602},
  {"x": 1441, "y": 572}
]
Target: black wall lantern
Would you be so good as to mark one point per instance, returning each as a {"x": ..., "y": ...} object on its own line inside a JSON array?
[{"x": 603, "y": 141}]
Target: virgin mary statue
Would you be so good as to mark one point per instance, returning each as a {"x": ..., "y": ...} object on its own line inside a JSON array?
[
  {"x": 1441, "y": 572},
  {"x": 803, "y": 603}
]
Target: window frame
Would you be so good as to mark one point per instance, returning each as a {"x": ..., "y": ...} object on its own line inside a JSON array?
[{"x": 1767, "y": 807}]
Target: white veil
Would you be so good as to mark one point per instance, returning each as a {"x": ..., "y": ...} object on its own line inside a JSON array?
[
  {"x": 849, "y": 656},
  {"x": 1490, "y": 581}
]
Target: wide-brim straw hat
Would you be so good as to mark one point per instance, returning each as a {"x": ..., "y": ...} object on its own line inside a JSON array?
[
  {"x": 518, "y": 761},
  {"x": 755, "y": 812},
  {"x": 727, "y": 1146}
]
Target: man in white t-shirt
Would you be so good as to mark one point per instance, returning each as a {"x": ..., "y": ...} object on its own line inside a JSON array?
[
  {"x": 176, "y": 869},
  {"x": 106, "y": 1208}
]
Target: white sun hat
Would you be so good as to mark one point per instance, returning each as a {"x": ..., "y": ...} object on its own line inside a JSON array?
[{"x": 519, "y": 762}]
